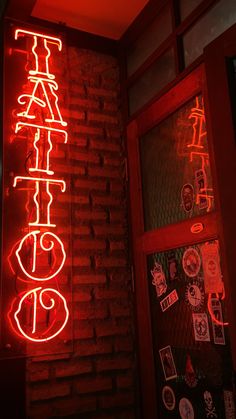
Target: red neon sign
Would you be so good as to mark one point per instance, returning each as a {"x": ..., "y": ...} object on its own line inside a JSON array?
[
  {"x": 204, "y": 194},
  {"x": 40, "y": 254}
]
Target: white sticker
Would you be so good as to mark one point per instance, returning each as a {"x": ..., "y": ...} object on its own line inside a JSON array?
[
  {"x": 169, "y": 300},
  {"x": 186, "y": 409},
  {"x": 168, "y": 398},
  {"x": 159, "y": 279},
  {"x": 211, "y": 267},
  {"x": 229, "y": 405},
  {"x": 209, "y": 405},
  {"x": 201, "y": 327},
  {"x": 194, "y": 295},
  {"x": 217, "y": 325},
  {"x": 191, "y": 262},
  {"x": 168, "y": 363}
]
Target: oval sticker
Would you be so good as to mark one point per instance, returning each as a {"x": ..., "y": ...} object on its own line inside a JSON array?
[{"x": 197, "y": 228}]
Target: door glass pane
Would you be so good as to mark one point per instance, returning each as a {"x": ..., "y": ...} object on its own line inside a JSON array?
[
  {"x": 160, "y": 73},
  {"x": 232, "y": 88},
  {"x": 214, "y": 23},
  {"x": 190, "y": 333},
  {"x": 187, "y": 6},
  {"x": 176, "y": 178},
  {"x": 150, "y": 39}
]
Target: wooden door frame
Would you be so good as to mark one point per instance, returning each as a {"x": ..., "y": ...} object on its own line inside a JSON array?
[
  {"x": 222, "y": 139},
  {"x": 203, "y": 79},
  {"x": 150, "y": 241}
]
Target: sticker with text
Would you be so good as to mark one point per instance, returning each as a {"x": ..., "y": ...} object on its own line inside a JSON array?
[
  {"x": 191, "y": 262},
  {"x": 159, "y": 279},
  {"x": 167, "y": 362},
  {"x": 168, "y": 398},
  {"x": 187, "y": 197},
  {"x": 217, "y": 328},
  {"x": 209, "y": 405},
  {"x": 194, "y": 295},
  {"x": 186, "y": 409},
  {"x": 211, "y": 267},
  {"x": 172, "y": 266},
  {"x": 201, "y": 327},
  {"x": 230, "y": 412},
  {"x": 169, "y": 300},
  {"x": 201, "y": 187}
]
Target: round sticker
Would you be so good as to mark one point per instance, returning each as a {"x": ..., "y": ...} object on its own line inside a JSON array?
[
  {"x": 168, "y": 398},
  {"x": 194, "y": 295},
  {"x": 186, "y": 409},
  {"x": 191, "y": 262}
]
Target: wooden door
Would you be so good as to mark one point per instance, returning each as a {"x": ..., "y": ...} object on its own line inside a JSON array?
[{"x": 185, "y": 351}]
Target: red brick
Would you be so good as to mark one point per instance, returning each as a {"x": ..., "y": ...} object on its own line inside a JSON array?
[
  {"x": 101, "y": 92},
  {"x": 117, "y": 245},
  {"x": 104, "y": 294},
  {"x": 110, "y": 262},
  {"x": 45, "y": 391},
  {"x": 81, "y": 230},
  {"x": 81, "y": 296},
  {"x": 81, "y": 261},
  {"x": 104, "y": 145},
  {"x": 89, "y": 244},
  {"x": 77, "y": 89},
  {"x": 125, "y": 381},
  {"x": 110, "y": 200},
  {"x": 109, "y": 230},
  {"x": 90, "y": 279},
  {"x": 102, "y": 117},
  {"x": 113, "y": 133},
  {"x": 39, "y": 372},
  {"x": 74, "y": 199},
  {"x": 113, "y": 364},
  {"x": 85, "y": 103},
  {"x": 85, "y": 157},
  {"x": 74, "y": 114},
  {"x": 39, "y": 411},
  {"x": 117, "y": 186},
  {"x": 73, "y": 368},
  {"x": 89, "y": 349},
  {"x": 117, "y": 216},
  {"x": 74, "y": 406},
  {"x": 124, "y": 344},
  {"x": 91, "y": 184},
  {"x": 122, "y": 399},
  {"x": 108, "y": 328},
  {"x": 112, "y": 161},
  {"x": 120, "y": 310},
  {"x": 93, "y": 385},
  {"x": 84, "y": 129},
  {"x": 92, "y": 312},
  {"x": 78, "y": 141},
  {"x": 103, "y": 172},
  {"x": 110, "y": 106},
  {"x": 91, "y": 215},
  {"x": 82, "y": 331}
]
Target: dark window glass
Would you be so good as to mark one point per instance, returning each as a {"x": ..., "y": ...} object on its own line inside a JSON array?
[
  {"x": 211, "y": 25},
  {"x": 150, "y": 39},
  {"x": 152, "y": 81},
  {"x": 176, "y": 176}
]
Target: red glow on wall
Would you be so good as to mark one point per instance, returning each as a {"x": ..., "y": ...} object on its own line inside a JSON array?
[{"x": 40, "y": 313}]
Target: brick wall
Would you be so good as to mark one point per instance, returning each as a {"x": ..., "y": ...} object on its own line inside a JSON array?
[{"x": 97, "y": 379}]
